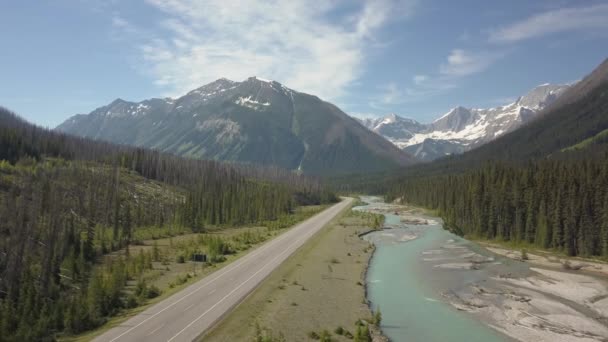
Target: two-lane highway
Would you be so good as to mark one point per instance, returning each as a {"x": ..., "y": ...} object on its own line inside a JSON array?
[{"x": 190, "y": 312}]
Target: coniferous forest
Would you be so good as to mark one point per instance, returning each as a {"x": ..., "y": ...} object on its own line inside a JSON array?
[
  {"x": 67, "y": 201},
  {"x": 561, "y": 205}
]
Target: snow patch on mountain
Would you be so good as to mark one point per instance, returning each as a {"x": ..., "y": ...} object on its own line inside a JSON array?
[
  {"x": 461, "y": 128},
  {"x": 248, "y": 102},
  {"x": 263, "y": 79}
]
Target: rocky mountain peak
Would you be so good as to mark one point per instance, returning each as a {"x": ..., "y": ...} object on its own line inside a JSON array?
[
  {"x": 253, "y": 121},
  {"x": 461, "y": 128},
  {"x": 541, "y": 96}
]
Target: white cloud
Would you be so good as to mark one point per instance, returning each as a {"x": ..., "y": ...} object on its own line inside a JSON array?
[
  {"x": 462, "y": 63},
  {"x": 392, "y": 94},
  {"x": 294, "y": 42},
  {"x": 419, "y": 79},
  {"x": 423, "y": 87},
  {"x": 554, "y": 21},
  {"x": 363, "y": 116},
  {"x": 459, "y": 64},
  {"x": 376, "y": 13},
  {"x": 119, "y": 22}
]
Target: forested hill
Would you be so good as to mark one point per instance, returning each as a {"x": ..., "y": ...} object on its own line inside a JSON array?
[
  {"x": 66, "y": 201},
  {"x": 544, "y": 185}
]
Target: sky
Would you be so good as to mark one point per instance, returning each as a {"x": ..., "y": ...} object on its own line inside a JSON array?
[{"x": 370, "y": 57}]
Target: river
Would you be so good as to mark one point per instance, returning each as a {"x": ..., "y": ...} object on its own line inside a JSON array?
[{"x": 414, "y": 267}]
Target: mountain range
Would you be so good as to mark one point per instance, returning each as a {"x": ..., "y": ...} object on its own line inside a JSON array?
[
  {"x": 462, "y": 129},
  {"x": 256, "y": 121}
]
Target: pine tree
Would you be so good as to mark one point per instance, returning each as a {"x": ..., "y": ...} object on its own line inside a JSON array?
[{"x": 604, "y": 227}]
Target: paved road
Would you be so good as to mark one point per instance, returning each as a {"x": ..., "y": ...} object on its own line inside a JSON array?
[{"x": 187, "y": 314}]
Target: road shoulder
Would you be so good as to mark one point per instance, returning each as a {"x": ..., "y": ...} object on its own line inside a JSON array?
[{"x": 318, "y": 288}]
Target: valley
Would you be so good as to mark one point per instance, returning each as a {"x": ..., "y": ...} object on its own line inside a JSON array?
[{"x": 278, "y": 171}]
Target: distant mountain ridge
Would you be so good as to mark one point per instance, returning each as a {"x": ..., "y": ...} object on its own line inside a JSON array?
[
  {"x": 462, "y": 129},
  {"x": 257, "y": 121}
]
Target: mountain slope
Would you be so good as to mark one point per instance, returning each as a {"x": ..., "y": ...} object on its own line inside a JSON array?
[
  {"x": 256, "y": 121},
  {"x": 548, "y": 135},
  {"x": 462, "y": 129},
  {"x": 543, "y": 184},
  {"x": 581, "y": 114}
]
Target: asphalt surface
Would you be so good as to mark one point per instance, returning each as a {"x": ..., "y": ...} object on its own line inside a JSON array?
[{"x": 189, "y": 313}]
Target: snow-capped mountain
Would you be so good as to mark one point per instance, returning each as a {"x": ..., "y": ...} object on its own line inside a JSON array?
[
  {"x": 394, "y": 126},
  {"x": 256, "y": 121},
  {"x": 461, "y": 129}
]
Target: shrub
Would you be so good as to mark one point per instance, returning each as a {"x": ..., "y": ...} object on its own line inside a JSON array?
[
  {"x": 325, "y": 336},
  {"x": 362, "y": 334},
  {"x": 377, "y": 317},
  {"x": 153, "y": 292},
  {"x": 266, "y": 335},
  {"x": 313, "y": 335},
  {"x": 131, "y": 301}
]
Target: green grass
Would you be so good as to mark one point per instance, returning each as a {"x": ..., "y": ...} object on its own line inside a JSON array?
[{"x": 600, "y": 137}]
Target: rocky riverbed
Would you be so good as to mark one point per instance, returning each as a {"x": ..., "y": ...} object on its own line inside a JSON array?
[{"x": 541, "y": 299}]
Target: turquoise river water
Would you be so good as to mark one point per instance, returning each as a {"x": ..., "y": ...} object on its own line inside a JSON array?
[{"x": 406, "y": 283}]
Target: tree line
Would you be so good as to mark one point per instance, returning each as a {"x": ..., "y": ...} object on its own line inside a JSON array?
[{"x": 557, "y": 203}]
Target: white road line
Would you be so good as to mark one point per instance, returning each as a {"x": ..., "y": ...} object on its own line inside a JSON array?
[
  {"x": 191, "y": 305},
  {"x": 212, "y": 291},
  {"x": 155, "y": 330},
  {"x": 238, "y": 287}
]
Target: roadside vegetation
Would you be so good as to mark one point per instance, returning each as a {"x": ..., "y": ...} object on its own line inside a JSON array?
[
  {"x": 320, "y": 288},
  {"x": 161, "y": 267}
]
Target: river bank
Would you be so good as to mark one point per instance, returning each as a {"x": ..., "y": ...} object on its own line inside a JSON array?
[
  {"x": 525, "y": 301},
  {"x": 563, "y": 299},
  {"x": 318, "y": 292}
]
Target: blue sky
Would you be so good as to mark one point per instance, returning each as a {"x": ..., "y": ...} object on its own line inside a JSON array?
[{"x": 414, "y": 58}]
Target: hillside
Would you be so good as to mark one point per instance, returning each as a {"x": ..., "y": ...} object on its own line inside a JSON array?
[
  {"x": 558, "y": 127},
  {"x": 256, "y": 121},
  {"x": 74, "y": 209},
  {"x": 543, "y": 185}
]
